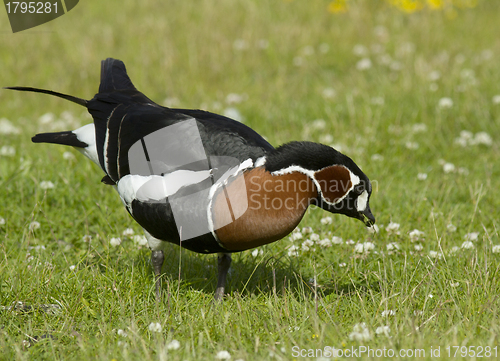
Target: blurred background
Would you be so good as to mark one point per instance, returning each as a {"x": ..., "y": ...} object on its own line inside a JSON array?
[{"x": 410, "y": 89}]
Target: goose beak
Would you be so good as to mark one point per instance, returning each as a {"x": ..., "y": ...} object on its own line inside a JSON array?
[{"x": 367, "y": 217}]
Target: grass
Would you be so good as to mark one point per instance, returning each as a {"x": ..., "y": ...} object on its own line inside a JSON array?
[{"x": 193, "y": 54}]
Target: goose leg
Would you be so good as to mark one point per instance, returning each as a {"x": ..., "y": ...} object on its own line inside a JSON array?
[
  {"x": 223, "y": 263},
  {"x": 157, "y": 258}
]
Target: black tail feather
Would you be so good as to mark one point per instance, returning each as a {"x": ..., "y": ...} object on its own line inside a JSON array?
[
  {"x": 63, "y": 138},
  {"x": 71, "y": 98},
  {"x": 114, "y": 76}
]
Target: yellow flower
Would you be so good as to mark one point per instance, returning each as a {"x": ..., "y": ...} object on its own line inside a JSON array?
[
  {"x": 435, "y": 4},
  {"x": 411, "y": 6},
  {"x": 338, "y": 6}
]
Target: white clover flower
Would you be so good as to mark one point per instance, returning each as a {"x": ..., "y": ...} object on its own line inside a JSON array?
[
  {"x": 240, "y": 44},
  {"x": 418, "y": 247},
  {"x": 455, "y": 249},
  {"x": 326, "y": 220},
  {"x": 140, "y": 240},
  {"x": 324, "y": 48},
  {"x": 434, "y": 75},
  {"x": 46, "y": 118},
  {"x": 396, "y": 65},
  {"x": 233, "y": 113},
  {"x": 115, "y": 241},
  {"x": 451, "y": 228},
  {"x": 308, "y": 50},
  {"x": 233, "y": 98},
  {"x": 257, "y": 252},
  {"x": 343, "y": 264},
  {"x": 46, "y": 185},
  {"x": 295, "y": 236},
  {"x": 454, "y": 284},
  {"x": 392, "y": 246},
  {"x": 68, "y": 156},
  {"x": 483, "y": 138},
  {"x": 350, "y": 241},
  {"x": 325, "y": 243},
  {"x": 445, "y": 103},
  {"x": 173, "y": 345},
  {"x": 388, "y": 313},
  {"x": 72, "y": 267},
  {"x": 6, "y": 127},
  {"x": 422, "y": 176},
  {"x": 462, "y": 142},
  {"x": 7, "y": 151},
  {"x": 377, "y": 100},
  {"x": 496, "y": 99},
  {"x": 416, "y": 235},
  {"x": 360, "y": 50},
  {"x": 381, "y": 31},
  {"x": 372, "y": 229},
  {"x": 318, "y": 124},
  {"x": 364, "y": 247},
  {"x": 328, "y": 93},
  {"x": 448, "y": 167},
  {"x": 298, "y": 61},
  {"x": 34, "y": 225},
  {"x": 383, "y": 330},
  {"x": 392, "y": 227},
  {"x": 121, "y": 333},
  {"x": 87, "y": 238},
  {"x": 308, "y": 243},
  {"x": 419, "y": 128},
  {"x": 496, "y": 248},
  {"x": 360, "y": 333},
  {"x": 467, "y": 245},
  {"x": 223, "y": 355},
  {"x": 326, "y": 138},
  {"x": 263, "y": 43},
  {"x": 434, "y": 254},
  {"x": 337, "y": 240},
  {"x": 307, "y": 230},
  {"x": 412, "y": 145},
  {"x": 314, "y": 237},
  {"x": 2, "y": 221},
  {"x": 364, "y": 64},
  {"x": 473, "y": 236},
  {"x": 430, "y": 295},
  {"x": 155, "y": 327},
  {"x": 128, "y": 232},
  {"x": 293, "y": 251}
]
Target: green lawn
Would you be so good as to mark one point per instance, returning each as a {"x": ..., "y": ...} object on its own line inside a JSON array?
[{"x": 414, "y": 99}]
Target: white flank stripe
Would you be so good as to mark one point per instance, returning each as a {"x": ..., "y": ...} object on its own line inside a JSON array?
[
  {"x": 220, "y": 182},
  {"x": 156, "y": 187}
]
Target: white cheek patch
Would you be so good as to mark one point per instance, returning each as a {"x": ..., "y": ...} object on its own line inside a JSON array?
[{"x": 362, "y": 201}]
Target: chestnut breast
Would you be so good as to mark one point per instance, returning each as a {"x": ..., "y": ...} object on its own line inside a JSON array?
[{"x": 257, "y": 208}]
